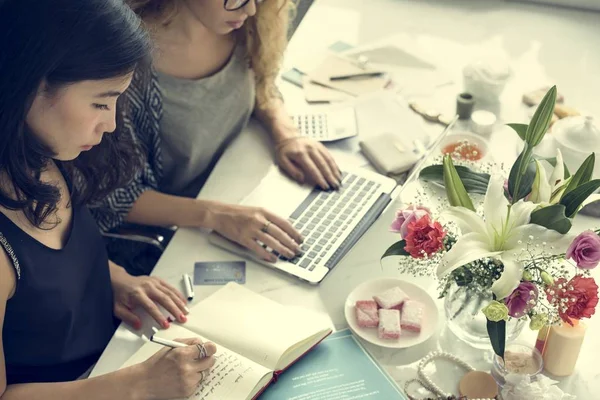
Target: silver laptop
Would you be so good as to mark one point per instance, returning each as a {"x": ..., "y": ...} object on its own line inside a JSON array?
[{"x": 331, "y": 222}]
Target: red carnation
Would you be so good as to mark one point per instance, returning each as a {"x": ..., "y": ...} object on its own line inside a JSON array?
[
  {"x": 424, "y": 237},
  {"x": 575, "y": 299}
]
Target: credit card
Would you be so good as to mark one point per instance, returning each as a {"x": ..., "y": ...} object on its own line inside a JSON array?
[{"x": 219, "y": 272}]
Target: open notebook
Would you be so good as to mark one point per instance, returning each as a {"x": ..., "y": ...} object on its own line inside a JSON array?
[{"x": 257, "y": 339}]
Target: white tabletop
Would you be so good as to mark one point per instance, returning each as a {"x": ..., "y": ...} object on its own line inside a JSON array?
[{"x": 545, "y": 45}]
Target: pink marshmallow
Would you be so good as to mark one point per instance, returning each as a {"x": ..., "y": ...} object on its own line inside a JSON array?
[
  {"x": 366, "y": 314},
  {"x": 389, "y": 324},
  {"x": 393, "y": 298},
  {"x": 412, "y": 316}
]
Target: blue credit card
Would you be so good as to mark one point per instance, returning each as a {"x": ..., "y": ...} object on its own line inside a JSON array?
[{"x": 219, "y": 272}]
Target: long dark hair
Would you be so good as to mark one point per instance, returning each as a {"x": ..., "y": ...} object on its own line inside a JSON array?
[{"x": 60, "y": 42}]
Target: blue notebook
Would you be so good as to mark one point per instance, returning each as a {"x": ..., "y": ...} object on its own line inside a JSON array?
[{"x": 338, "y": 368}]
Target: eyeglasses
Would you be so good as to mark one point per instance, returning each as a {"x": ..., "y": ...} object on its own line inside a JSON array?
[{"x": 233, "y": 5}]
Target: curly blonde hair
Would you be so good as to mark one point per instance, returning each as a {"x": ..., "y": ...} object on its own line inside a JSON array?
[{"x": 264, "y": 37}]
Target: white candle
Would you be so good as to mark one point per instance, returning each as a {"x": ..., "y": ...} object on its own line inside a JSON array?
[{"x": 562, "y": 348}]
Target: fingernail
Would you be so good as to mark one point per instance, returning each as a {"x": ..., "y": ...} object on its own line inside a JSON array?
[
  {"x": 166, "y": 324},
  {"x": 183, "y": 318},
  {"x": 273, "y": 259},
  {"x": 187, "y": 310},
  {"x": 137, "y": 325}
]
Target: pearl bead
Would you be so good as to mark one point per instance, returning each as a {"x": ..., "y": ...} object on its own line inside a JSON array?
[{"x": 425, "y": 381}]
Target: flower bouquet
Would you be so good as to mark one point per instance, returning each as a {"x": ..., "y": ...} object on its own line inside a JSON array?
[{"x": 517, "y": 244}]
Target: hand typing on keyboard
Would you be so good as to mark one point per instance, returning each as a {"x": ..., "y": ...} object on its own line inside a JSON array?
[
  {"x": 256, "y": 229},
  {"x": 307, "y": 160}
]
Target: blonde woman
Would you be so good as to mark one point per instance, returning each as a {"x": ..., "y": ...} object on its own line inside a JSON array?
[{"x": 214, "y": 66}]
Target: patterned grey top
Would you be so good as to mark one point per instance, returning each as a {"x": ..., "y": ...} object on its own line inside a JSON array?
[
  {"x": 143, "y": 120},
  {"x": 200, "y": 118}
]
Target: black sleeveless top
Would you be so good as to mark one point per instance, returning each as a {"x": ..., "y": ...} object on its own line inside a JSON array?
[{"x": 60, "y": 318}]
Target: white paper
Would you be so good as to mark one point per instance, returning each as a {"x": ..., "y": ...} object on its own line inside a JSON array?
[
  {"x": 252, "y": 325},
  {"x": 232, "y": 377}
]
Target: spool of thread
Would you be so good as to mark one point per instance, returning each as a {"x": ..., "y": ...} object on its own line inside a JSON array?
[
  {"x": 465, "y": 102},
  {"x": 483, "y": 122}
]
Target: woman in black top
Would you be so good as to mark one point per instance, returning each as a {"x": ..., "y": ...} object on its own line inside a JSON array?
[{"x": 63, "y": 64}]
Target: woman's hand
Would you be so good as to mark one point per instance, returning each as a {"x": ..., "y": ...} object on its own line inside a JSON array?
[
  {"x": 247, "y": 225},
  {"x": 146, "y": 292},
  {"x": 307, "y": 160},
  {"x": 177, "y": 373}
]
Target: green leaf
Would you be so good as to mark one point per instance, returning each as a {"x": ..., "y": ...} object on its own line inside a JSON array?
[
  {"x": 542, "y": 117},
  {"x": 457, "y": 194},
  {"x": 552, "y": 217},
  {"x": 583, "y": 175},
  {"x": 522, "y": 175},
  {"x": 497, "y": 334},
  {"x": 474, "y": 182},
  {"x": 397, "y": 249},
  {"x": 462, "y": 276},
  {"x": 521, "y": 130},
  {"x": 573, "y": 200}
]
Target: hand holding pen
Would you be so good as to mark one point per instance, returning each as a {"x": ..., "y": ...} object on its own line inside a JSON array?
[{"x": 176, "y": 370}]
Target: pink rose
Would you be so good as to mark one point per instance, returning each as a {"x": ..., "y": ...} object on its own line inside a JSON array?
[
  {"x": 579, "y": 299},
  {"x": 424, "y": 237},
  {"x": 406, "y": 216},
  {"x": 585, "y": 250},
  {"x": 522, "y": 299}
]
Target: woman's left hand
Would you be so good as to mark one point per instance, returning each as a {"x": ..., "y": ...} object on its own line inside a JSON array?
[
  {"x": 146, "y": 292},
  {"x": 306, "y": 159}
]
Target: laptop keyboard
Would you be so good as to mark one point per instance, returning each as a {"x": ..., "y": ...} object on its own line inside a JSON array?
[{"x": 325, "y": 218}]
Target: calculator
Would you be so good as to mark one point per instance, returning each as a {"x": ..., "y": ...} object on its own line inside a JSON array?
[{"x": 327, "y": 126}]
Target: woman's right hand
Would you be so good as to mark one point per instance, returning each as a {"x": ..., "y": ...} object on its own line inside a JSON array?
[
  {"x": 176, "y": 373},
  {"x": 247, "y": 225}
]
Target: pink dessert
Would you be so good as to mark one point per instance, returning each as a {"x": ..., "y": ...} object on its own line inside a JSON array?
[
  {"x": 393, "y": 298},
  {"x": 366, "y": 314},
  {"x": 389, "y": 324},
  {"x": 412, "y": 315}
]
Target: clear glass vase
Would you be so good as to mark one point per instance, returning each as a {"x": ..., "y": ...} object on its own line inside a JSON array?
[{"x": 463, "y": 306}]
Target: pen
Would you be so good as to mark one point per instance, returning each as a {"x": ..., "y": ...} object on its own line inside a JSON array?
[
  {"x": 165, "y": 342},
  {"x": 189, "y": 287},
  {"x": 356, "y": 76}
]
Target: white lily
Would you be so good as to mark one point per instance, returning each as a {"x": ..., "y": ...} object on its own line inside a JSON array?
[
  {"x": 502, "y": 234},
  {"x": 549, "y": 191},
  {"x": 543, "y": 188}
]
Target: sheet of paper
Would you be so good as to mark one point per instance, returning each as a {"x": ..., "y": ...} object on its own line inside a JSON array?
[
  {"x": 339, "y": 368},
  {"x": 232, "y": 376},
  {"x": 253, "y": 325},
  {"x": 315, "y": 93},
  {"x": 334, "y": 65}
]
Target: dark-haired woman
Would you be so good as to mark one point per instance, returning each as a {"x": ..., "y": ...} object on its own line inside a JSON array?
[{"x": 63, "y": 65}]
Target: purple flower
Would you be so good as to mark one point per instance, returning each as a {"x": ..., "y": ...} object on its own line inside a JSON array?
[
  {"x": 522, "y": 299},
  {"x": 585, "y": 250},
  {"x": 406, "y": 216}
]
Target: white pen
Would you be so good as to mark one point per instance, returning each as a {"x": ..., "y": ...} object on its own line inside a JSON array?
[
  {"x": 189, "y": 287},
  {"x": 165, "y": 342}
]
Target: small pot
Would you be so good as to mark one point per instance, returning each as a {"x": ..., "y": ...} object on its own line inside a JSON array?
[{"x": 577, "y": 138}]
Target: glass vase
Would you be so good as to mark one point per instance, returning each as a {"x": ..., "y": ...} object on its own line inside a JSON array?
[{"x": 463, "y": 306}]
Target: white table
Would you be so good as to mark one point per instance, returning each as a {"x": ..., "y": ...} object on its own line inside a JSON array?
[{"x": 541, "y": 41}]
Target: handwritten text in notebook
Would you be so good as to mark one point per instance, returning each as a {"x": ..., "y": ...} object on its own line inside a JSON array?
[{"x": 229, "y": 369}]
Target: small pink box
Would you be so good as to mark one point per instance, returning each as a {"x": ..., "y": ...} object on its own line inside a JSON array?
[
  {"x": 412, "y": 316},
  {"x": 393, "y": 298},
  {"x": 366, "y": 314},
  {"x": 389, "y": 324}
]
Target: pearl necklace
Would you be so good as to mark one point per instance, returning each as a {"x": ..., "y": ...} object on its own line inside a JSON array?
[{"x": 425, "y": 381}]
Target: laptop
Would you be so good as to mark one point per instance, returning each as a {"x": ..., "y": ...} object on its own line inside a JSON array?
[{"x": 331, "y": 222}]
